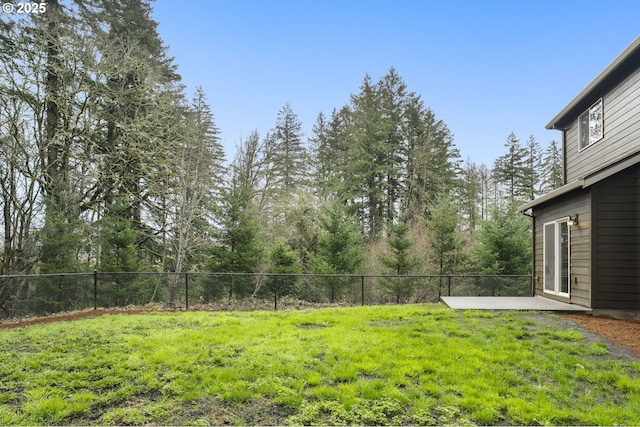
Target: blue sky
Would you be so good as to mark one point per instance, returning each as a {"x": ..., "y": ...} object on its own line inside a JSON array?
[{"x": 486, "y": 67}]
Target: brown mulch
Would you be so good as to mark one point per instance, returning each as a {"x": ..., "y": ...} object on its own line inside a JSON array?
[
  {"x": 625, "y": 333},
  {"x": 65, "y": 317}
]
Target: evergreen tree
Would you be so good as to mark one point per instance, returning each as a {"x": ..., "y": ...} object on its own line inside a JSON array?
[
  {"x": 340, "y": 248},
  {"x": 61, "y": 241},
  {"x": 286, "y": 262},
  {"x": 290, "y": 160},
  {"x": 433, "y": 160},
  {"x": 393, "y": 99},
  {"x": 193, "y": 189},
  {"x": 239, "y": 249},
  {"x": 119, "y": 250},
  {"x": 532, "y": 173},
  {"x": 510, "y": 171},
  {"x": 206, "y": 140},
  {"x": 552, "y": 174},
  {"x": 368, "y": 161},
  {"x": 330, "y": 153},
  {"x": 305, "y": 227},
  {"x": 471, "y": 194},
  {"x": 504, "y": 244},
  {"x": 320, "y": 154},
  {"x": 444, "y": 237},
  {"x": 395, "y": 155},
  {"x": 401, "y": 262}
]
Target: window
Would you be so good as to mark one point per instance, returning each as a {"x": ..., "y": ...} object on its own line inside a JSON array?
[
  {"x": 591, "y": 126},
  {"x": 556, "y": 257}
]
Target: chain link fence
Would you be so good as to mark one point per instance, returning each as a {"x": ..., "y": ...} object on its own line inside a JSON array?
[{"x": 40, "y": 295}]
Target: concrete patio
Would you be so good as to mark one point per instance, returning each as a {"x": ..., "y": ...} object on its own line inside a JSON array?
[{"x": 511, "y": 303}]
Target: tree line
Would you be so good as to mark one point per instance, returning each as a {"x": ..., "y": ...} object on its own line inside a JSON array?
[{"x": 107, "y": 163}]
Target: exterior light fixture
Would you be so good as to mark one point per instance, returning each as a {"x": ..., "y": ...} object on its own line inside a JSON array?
[{"x": 573, "y": 220}]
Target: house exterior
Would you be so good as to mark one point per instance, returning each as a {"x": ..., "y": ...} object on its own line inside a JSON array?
[{"x": 586, "y": 234}]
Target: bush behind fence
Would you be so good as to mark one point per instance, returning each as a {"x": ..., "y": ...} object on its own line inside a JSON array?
[{"x": 38, "y": 295}]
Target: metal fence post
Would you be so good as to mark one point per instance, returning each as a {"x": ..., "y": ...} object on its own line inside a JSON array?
[
  {"x": 449, "y": 284},
  {"x": 275, "y": 292},
  {"x": 362, "y": 288},
  {"x": 533, "y": 286},
  {"x": 186, "y": 291},
  {"x": 95, "y": 289}
]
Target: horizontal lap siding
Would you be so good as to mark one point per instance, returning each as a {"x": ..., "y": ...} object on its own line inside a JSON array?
[
  {"x": 615, "y": 267},
  {"x": 621, "y": 132},
  {"x": 580, "y": 238}
]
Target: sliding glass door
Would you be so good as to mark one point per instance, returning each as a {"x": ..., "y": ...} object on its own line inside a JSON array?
[{"x": 556, "y": 257}]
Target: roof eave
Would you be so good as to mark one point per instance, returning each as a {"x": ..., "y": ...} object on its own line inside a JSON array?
[
  {"x": 574, "y": 185},
  {"x": 558, "y": 122}
]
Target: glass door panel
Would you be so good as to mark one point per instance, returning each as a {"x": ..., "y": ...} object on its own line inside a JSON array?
[
  {"x": 556, "y": 257},
  {"x": 549, "y": 257}
]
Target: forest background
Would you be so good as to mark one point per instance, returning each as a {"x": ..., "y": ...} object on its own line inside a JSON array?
[{"x": 107, "y": 163}]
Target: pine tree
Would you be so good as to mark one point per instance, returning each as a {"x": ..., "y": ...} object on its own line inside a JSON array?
[
  {"x": 396, "y": 154},
  {"x": 193, "y": 189},
  {"x": 552, "y": 174},
  {"x": 364, "y": 170},
  {"x": 432, "y": 163},
  {"x": 401, "y": 262},
  {"x": 239, "y": 250},
  {"x": 291, "y": 160},
  {"x": 471, "y": 197},
  {"x": 532, "y": 172},
  {"x": 444, "y": 238},
  {"x": 330, "y": 153},
  {"x": 393, "y": 97},
  {"x": 320, "y": 154},
  {"x": 118, "y": 241},
  {"x": 286, "y": 262},
  {"x": 510, "y": 171},
  {"x": 504, "y": 244},
  {"x": 340, "y": 248}
]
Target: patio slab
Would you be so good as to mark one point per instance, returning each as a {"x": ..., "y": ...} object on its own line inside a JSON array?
[{"x": 510, "y": 303}]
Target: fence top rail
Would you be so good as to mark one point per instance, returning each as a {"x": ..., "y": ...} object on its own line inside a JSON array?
[
  {"x": 19, "y": 276},
  {"x": 206, "y": 273}
]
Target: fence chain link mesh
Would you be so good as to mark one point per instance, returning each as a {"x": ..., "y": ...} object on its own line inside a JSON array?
[{"x": 41, "y": 295}]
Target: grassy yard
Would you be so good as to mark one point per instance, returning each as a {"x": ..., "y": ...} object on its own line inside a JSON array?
[{"x": 419, "y": 364}]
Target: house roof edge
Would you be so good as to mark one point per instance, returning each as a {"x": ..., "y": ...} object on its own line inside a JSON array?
[
  {"x": 573, "y": 185},
  {"x": 626, "y": 55}
]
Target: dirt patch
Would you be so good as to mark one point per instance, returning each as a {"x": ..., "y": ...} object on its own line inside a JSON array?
[{"x": 65, "y": 317}]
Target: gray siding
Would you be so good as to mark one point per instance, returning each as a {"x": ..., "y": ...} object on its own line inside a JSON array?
[
  {"x": 615, "y": 241},
  {"x": 621, "y": 132},
  {"x": 580, "y": 239}
]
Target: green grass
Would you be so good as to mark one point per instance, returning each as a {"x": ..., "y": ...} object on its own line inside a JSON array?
[{"x": 418, "y": 365}]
